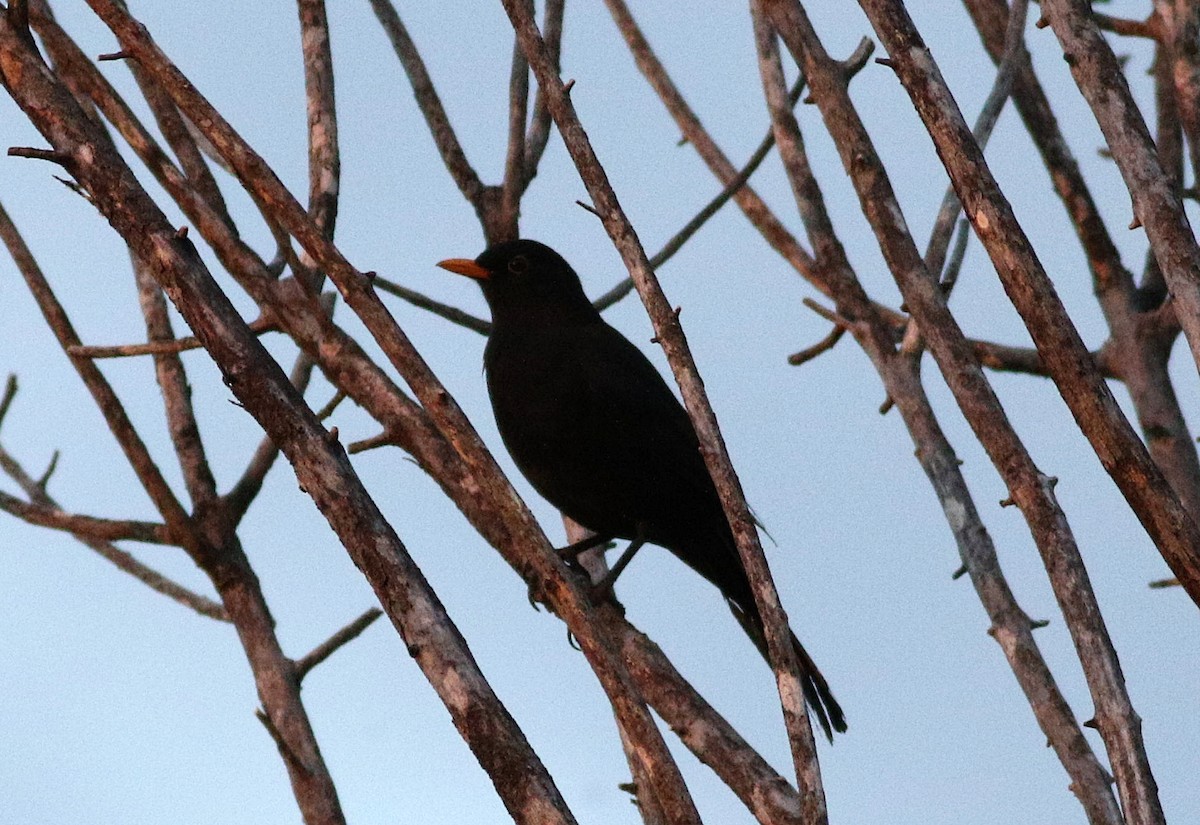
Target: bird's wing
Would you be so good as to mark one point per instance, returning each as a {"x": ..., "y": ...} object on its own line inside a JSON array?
[{"x": 644, "y": 435}]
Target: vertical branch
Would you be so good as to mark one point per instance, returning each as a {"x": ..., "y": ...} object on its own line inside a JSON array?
[
  {"x": 503, "y": 227},
  {"x": 176, "y": 394},
  {"x": 539, "y": 125},
  {"x": 324, "y": 159}
]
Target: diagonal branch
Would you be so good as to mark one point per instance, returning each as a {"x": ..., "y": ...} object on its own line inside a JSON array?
[
  {"x": 676, "y": 242},
  {"x": 670, "y": 336},
  {"x": 338, "y": 640},
  {"x": 1031, "y": 491},
  {"x": 1156, "y": 202},
  {"x": 124, "y": 561},
  {"x": 430, "y": 104}
]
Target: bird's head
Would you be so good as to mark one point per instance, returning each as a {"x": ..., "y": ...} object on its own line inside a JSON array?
[{"x": 525, "y": 282}]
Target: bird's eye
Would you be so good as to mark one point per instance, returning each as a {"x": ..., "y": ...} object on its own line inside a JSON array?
[{"x": 518, "y": 265}]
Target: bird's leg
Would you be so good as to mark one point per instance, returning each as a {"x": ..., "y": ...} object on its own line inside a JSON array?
[
  {"x": 603, "y": 588},
  {"x": 575, "y": 549},
  {"x": 570, "y": 554}
]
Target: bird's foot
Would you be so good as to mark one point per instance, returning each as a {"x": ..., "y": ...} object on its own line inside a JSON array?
[
  {"x": 575, "y": 549},
  {"x": 603, "y": 589}
]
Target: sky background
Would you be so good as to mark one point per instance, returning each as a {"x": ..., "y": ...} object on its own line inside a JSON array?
[{"x": 119, "y": 706}]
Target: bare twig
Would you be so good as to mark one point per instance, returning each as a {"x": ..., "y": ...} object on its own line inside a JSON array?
[
  {"x": 824, "y": 345},
  {"x": 176, "y": 394},
  {"x": 501, "y": 222},
  {"x": 676, "y": 242},
  {"x": 540, "y": 123},
  {"x": 169, "y": 347},
  {"x": 85, "y": 526},
  {"x": 10, "y": 392},
  {"x": 985, "y": 122},
  {"x": 450, "y": 313},
  {"x": 122, "y": 560},
  {"x": 1150, "y": 28},
  {"x": 773, "y": 231},
  {"x": 430, "y": 104},
  {"x": 330, "y": 646}
]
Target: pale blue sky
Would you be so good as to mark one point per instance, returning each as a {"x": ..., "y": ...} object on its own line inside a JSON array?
[{"x": 117, "y": 706}]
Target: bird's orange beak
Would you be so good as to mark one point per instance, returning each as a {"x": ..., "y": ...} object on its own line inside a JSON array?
[{"x": 465, "y": 266}]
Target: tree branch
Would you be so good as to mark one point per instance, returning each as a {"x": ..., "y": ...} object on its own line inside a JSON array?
[{"x": 670, "y": 336}]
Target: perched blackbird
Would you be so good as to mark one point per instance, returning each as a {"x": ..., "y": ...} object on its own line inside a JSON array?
[{"x": 598, "y": 433}]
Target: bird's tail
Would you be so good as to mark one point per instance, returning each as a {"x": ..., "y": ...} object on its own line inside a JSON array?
[{"x": 816, "y": 690}]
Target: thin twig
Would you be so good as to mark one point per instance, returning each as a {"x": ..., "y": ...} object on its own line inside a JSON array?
[
  {"x": 693, "y": 226},
  {"x": 342, "y": 637},
  {"x": 540, "y": 122},
  {"x": 824, "y": 345},
  {"x": 450, "y": 313},
  {"x": 259, "y": 326},
  {"x": 430, "y": 104},
  {"x": 985, "y": 123},
  {"x": 501, "y": 222},
  {"x": 85, "y": 526},
  {"x": 107, "y": 550},
  {"x": 10, "y": 392}
]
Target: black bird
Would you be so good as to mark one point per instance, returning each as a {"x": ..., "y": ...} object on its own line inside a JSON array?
[{"x": 594, "y": 427}]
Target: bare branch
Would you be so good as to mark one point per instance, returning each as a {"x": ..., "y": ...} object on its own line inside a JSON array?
[
  {"x": 121, "y": 559},
  {"x": 1050, "y": 328},
  {"x": 901, "y": 379},
  {"x": 1150, "y": 28},
  {"x": 10, "y": 392},
  {"x": 1156, "y": 202},
  {"x": 87, "y": 527},
  {"x": 464, "y": 176},
  {"x": 772, "y": 230},
  {"x": 693, "y": 226},
  {"x": 539, "y": 125},
  {"x": 106, "y": 399},
  {"x": 176, "y": 394},
  {"x": 450, "y": 313},
  {"x": 324, "y": 160},
  {"x": 503, "y": 227},
  {"x": 824, "y": 345}
]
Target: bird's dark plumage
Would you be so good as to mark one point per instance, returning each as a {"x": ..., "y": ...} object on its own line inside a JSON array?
[{"x": 594, "y": 427}]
